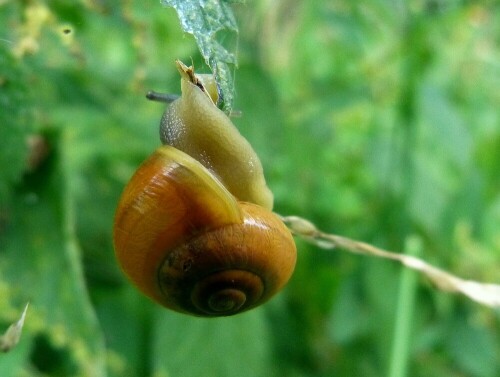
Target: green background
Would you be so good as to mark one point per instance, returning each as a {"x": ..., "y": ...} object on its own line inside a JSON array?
[{"x": 376, "y": 120}]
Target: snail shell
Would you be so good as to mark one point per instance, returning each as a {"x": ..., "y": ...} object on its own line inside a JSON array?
[{"x": 186, "y": 242}]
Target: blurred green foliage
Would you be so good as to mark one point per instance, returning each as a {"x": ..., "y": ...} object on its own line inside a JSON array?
[{"x": 377, "y": 120}]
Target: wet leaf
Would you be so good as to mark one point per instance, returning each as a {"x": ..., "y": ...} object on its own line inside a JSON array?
[{"x": 206, "y": 20}]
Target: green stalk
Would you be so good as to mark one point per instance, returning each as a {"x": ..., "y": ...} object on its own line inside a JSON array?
[{"x": 404, "y": 314}]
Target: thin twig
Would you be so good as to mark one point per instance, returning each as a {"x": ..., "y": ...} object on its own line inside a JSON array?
[{"x": 486, "y": 294}]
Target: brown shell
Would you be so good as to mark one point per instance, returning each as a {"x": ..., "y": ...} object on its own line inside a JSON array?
[
  {"x": 186, "y": 242},
  {"x": 230, "y": 269}
]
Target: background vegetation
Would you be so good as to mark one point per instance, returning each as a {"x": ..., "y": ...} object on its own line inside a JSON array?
[{"x": 378, "y": 120}]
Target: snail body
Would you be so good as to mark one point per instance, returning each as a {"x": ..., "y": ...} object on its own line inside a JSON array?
[
  {"x": 184, "y": 235},
  {"x": 195, "y": 125}
]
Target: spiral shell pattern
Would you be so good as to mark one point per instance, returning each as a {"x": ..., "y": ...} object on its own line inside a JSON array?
[{"x": 230, "y": 269}]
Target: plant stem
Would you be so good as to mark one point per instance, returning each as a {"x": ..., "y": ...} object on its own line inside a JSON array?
[{"x": 404, "y": 314}]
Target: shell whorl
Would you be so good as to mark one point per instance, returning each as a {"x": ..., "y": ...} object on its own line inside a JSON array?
[{"x": 231, "y": 269}]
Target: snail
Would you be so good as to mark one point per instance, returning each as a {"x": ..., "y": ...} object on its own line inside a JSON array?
[{"x": 194, "y": 228}]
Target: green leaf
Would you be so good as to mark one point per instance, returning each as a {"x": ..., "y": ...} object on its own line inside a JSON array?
[
  {"x": 232, "y": 347},
  {"x": 473, "y": 348},
  {"x": 14, "y": 121},
  {"x": 211, "y": 22},
  {"x": 40, "y": 262}
]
